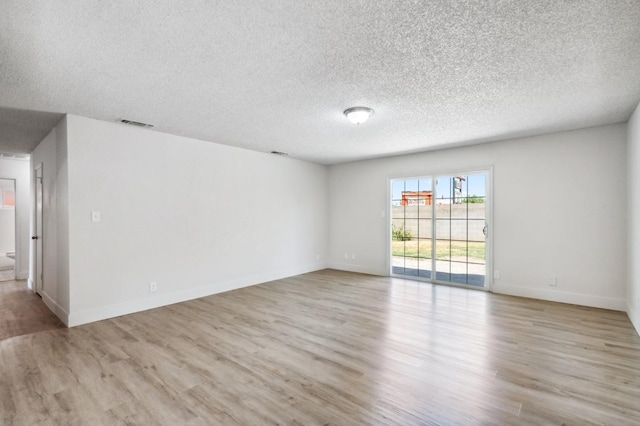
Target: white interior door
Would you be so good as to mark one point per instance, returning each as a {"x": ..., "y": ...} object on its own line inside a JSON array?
[{"x": 37, "y": 238}]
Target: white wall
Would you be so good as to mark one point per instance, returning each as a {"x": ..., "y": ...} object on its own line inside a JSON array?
[
  {"x": 198, "y": 218},
  {"x": 569, "y": 187},
  {"x": 51, "y": 154},
  {"x": 19, "y": 171},
  {"x": 633, "y": 290}
]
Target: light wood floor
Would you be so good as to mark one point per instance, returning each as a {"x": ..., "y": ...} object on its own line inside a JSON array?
[
  {"x": 331, "y": 348},
  {"x": 23, "y": 312}
]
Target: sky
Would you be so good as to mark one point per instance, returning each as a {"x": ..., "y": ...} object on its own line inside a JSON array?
[{"x": 473, "y": 185}]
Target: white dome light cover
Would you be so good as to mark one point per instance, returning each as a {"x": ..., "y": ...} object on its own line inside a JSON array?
[{"x": 358, "y": 115}]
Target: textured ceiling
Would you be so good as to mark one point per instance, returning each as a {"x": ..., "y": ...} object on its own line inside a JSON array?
[{"x": 277, "y": 74}]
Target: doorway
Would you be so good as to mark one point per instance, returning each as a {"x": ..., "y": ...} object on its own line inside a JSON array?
[
  {"x": 7, "y": 229},
  {"x": 440, "y": 228}
]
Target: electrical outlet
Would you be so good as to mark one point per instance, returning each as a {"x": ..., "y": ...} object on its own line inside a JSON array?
[
  {"x": 96, "y": 216},
  {"x": 496, "y": 275},
  {"x": 346, "y": 255},
  {"x": 153, "y": 287},
  {"x": 553, "y": 282},
  {"x": 353, "y": 255},
  {"x": 317, "y": 257}
]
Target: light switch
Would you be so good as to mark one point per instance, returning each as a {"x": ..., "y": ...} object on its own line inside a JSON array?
[{"x": 95, "y": 216}]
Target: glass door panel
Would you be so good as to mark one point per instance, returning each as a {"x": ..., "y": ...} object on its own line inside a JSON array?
[{"x": 411, "y": 227}]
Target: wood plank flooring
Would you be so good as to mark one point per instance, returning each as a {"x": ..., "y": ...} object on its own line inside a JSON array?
[
  {"x": 331, "y": 348},
  {"x": 23, "y": 312}
]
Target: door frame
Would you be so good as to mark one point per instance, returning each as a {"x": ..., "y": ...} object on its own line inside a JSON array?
[
  {"x": 488, "y": 171},
  {"x": 38, "y": 249}
]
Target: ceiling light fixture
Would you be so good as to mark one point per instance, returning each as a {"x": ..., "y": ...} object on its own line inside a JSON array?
[{"x": 358, "y": 115}]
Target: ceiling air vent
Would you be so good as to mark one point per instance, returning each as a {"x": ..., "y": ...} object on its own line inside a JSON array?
[{"x": 136, "y": 123}]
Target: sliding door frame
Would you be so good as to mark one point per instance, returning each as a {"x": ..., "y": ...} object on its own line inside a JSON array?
[{"x": 488, "y": 171}]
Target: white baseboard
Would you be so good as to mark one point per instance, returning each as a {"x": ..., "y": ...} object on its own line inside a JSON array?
[
  {"x": 22, "y": 275},
  {"x": 58, "y": 310},
  {"x": 362, "y": 269},
  {"x": 634, "y": 316},
  {"x": 156, "y": 301},
  {"x": 561, "y": 296}
]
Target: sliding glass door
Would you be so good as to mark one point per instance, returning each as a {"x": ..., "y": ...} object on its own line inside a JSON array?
[{"x": 439, "y": 228}]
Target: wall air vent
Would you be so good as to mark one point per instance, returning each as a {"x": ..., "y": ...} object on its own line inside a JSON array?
[
  {"x": 136, "y": 123},
  {"x": 284, "y": 154}
]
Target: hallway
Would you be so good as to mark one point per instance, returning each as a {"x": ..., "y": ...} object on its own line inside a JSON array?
[{"x": 23, "y": 312}]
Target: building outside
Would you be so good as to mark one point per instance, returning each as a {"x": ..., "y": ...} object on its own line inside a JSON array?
[{"x": 417, "y": 198}]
